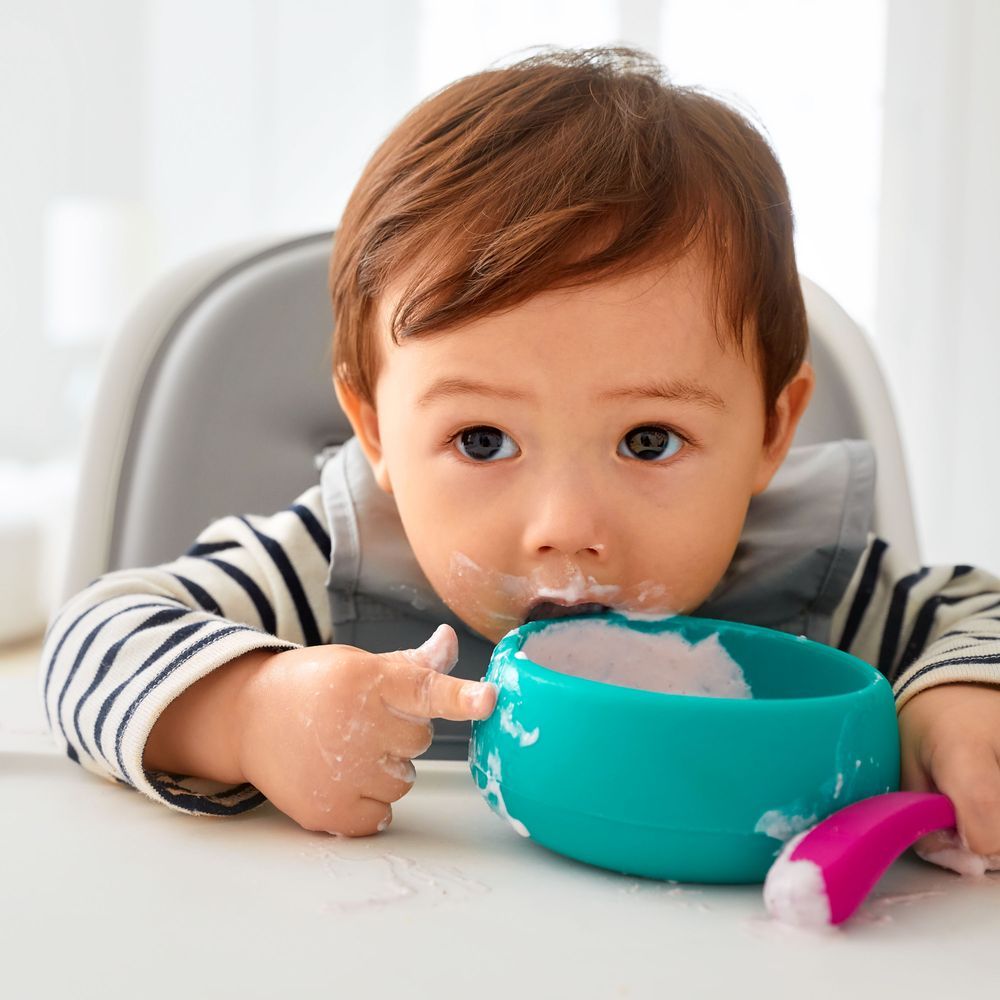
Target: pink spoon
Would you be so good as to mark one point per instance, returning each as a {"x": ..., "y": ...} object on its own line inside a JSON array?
[{"x": 824, "y": 873}]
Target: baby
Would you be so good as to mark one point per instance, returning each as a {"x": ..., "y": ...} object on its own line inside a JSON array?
[{"x": 571, "y": 343}]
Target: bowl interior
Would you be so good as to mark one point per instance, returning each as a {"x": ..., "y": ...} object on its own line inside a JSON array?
[{"x": 774, "y": 664}]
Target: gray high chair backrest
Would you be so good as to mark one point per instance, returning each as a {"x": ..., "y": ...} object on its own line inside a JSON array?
[{"x": 215, "y": 398}]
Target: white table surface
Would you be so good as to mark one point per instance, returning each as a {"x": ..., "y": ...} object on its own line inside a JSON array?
[{"x": 107, "y": 894}]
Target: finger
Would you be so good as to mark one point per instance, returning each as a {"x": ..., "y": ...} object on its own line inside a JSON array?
[
  {"x": 389, "y": 779},
  {"x": 439, "y": 652},
  {"x": 401, "y": 737},
  {"x": 943, "y": 848},
  {"x": 363, "y": 817},
  {"x": 913, "y": 777},
  {"x": 400, "y": 768},
  {"x": 408, "y": 687},
  {"x": 969, "y": 774},
  {"x": 411, "y": 739}
]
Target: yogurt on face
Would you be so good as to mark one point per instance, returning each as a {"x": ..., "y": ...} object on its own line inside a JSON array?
[{"x": 612, "y": 653}]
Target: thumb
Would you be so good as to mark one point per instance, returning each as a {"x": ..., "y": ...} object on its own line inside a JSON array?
[
  {"x": 439, "y": 652},
  {"x": 915, "y": 776},
  {"x": 419, "y": 686}
]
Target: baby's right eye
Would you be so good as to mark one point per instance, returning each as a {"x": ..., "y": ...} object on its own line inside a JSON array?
[{"x": 482, "y": 442}]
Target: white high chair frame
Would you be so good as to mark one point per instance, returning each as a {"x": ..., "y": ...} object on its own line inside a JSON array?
[{"x": 215, "y": 397}]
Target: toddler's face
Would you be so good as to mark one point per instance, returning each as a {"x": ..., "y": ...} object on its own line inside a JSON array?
[{"x": 551, "y": 481}]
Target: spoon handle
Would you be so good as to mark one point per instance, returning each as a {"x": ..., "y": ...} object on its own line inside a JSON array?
[{"x": 855, "y": 845}]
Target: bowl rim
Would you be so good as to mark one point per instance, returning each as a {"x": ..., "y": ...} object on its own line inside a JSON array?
[{"x": 512, "y": 643}]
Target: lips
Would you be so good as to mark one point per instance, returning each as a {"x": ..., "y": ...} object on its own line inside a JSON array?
[{"x": 549, "y": 609}]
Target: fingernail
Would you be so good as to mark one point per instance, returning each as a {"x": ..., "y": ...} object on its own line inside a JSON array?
[
  {"x": 476, "y": 695},
  {"x": 430, "y": 639}
]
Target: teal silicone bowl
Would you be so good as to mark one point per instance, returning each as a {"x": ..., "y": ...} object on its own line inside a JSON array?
[{"x": 684, "y": 787}]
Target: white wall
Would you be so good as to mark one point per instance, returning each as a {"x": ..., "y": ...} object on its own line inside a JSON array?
[
  {"x": 72, "y": 117},
  {"x": 264, "y": 113},
  {"x": 810, "y": 74},
  {"x": 242, "y": 117},
  {"x": 939, "y": 299}
]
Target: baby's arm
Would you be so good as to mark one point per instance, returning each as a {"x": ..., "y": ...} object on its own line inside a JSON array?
[
  {"x": 920, "y": 626},
  {"x": 934, "y": 631},
  {"x": 120, "y": 651},
  {"x": 325, "y": 732}
]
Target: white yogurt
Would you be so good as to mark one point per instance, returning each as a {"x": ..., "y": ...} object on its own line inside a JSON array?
[
  {"x": 493, "y": 788},
  {"x": 947, "y": 849},
  {"x": 615, "y": 654},
  {"x": 795, "y": 891}
]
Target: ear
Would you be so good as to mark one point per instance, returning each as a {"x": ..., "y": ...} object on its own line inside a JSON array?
[
  {"x": 364, "y": 420},
  {"x": 788, "y": 409}
]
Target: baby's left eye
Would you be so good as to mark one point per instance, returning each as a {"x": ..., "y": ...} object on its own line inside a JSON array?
[{"x": 649, "y": 441}]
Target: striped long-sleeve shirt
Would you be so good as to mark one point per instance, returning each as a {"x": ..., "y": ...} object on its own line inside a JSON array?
[{"x": 122, "y": 649}]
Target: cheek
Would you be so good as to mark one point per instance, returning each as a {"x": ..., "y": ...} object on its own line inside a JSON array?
[
  {"x": 455, "y": 523},
  {"x": 702, "y": 564},
  {"x": 686, "y": 533}
]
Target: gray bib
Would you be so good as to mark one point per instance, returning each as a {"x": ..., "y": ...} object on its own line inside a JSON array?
[{"x": 800, "y": 544}]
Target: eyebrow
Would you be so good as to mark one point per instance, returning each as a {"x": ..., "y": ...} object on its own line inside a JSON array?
[{"x": 675, "y": 389}]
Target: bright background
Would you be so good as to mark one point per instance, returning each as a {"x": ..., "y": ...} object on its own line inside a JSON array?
[{"x": 138, "y": 133}]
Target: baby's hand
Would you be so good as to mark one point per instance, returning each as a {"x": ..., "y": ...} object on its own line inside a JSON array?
[
  {"x": 950, "y": 743},
  {"x": 327, "y": 732}
]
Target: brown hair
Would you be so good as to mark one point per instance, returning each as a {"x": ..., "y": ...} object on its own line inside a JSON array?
[{"x": 563, "y": 168}]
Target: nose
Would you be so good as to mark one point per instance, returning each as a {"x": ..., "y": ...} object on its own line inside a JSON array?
[{"x": 564, "y": 516}]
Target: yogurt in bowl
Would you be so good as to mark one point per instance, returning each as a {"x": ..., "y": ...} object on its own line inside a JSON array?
[{"x": 678, "y": 748}]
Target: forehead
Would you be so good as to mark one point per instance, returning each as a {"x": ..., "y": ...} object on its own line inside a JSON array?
[{"x": 658, "y": 322}]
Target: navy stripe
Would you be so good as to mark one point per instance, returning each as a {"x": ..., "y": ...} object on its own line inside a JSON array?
[
  {"x": 256, "y": 595},
  {"x": 55, "y": 655},
  {"x": 172, "y": 784},
  {"x": 204, "y": 599},
  {"x": 206, "y": 805},
  {"x": 316, "y": 530},
  {"x": 958, "y": 660},
  {"x": 85, "y": 646},
  {"x": 169, "y": 643},
  {"x": 161, "y": 617},
  {"x": 978, "y": 616},
  {"x": 238, "y": 791},
  {"x": 894, "y": 619},
  {"x": 50, "y": 628},
  {"x": 310, "y": 631},
  {"x": 206, "y": 548},
  {"x": 978, "y": 636},
  {"x": 925, "y": 620},
  {"x": 981, "y": 658},
  {"x": 862, "y": 598},
  {"x": 176, "y": 662},
  {"x": 174, "y": 776},
  {"x": 958, "y": 649}
]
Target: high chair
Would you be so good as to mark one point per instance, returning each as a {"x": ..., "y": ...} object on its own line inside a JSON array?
[{"x": 216, "y": 398}]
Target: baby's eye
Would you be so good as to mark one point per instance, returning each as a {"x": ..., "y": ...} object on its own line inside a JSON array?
[
  {"x": 482, "y": 442},
  {"x": 649, "y": 442}
]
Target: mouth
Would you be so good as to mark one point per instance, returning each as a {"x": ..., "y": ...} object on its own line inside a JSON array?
[{"x": 548, "y": 609}]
